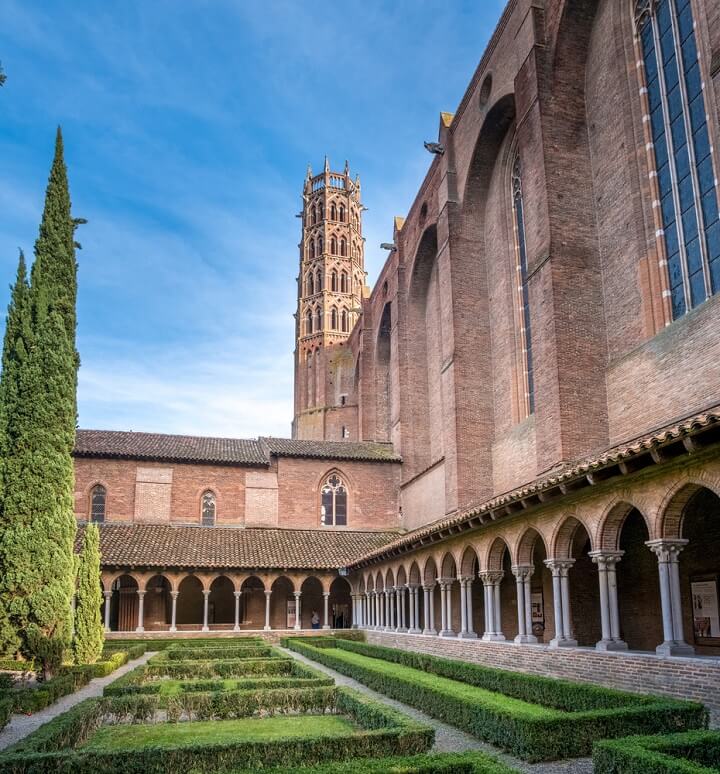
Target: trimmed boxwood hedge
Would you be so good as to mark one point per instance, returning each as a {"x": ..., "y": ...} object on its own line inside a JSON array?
[
  {"x": 438, "y": 763},
  {"x": 693, "y": 752},
  {"x": 240, "y": 667},
  {"x": 601, "y": 713},
  {"x": 51, "y": 749},
  {"x": 174, "y": 643},
  {"x": 205, "y": 653}
]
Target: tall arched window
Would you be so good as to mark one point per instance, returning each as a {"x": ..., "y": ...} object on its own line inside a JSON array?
[
  {"x": 312, "y": 249},
  {"x": 207, "y": 511},
  {"x": 333, "y": 319},
  {"x": 310, "y": 284},
  {"x": 684, "y": 170},
  {"x": 333, "y": 212},
  {"x": 344, "y": 283},
  {"x": 344, "y": 320},
  {"x": 333, "y": 508},
  {"x": 308, "y": 322},
  {"x": 318, "y": 318},
  {"x": 313, "y": 216},
  {"x": 343, "y": 247},
  {"x": 527, "y": 390},
  {"x": 318, "y": 281},
  {"x": 320, "y": 246},
  {"x": 341, "y": 213},
  {"x": 98, "y": 496},
  {"x": 333, "y": 281},
  {"x": 333, "y": 245}
]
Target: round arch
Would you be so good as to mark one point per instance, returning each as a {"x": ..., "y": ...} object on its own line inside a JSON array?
[
  {"x": 340, "y": 604},
  {"x": 612, "y": 522},
  {"x": 525, "y": 550}
]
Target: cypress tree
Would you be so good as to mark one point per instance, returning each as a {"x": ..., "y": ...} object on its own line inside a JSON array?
[
  {"x": 36, "y": 547},
  {"x": 89, "y": 632}
]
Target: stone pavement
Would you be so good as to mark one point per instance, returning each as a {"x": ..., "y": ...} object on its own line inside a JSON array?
[
  {"x": 448, "y": 738},
  {"x": 22, "y": 725}
]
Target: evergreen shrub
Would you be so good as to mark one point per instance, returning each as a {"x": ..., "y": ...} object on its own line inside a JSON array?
[
  {"x": 559, "y": 732},
  {"x": 693, "y": 752}
]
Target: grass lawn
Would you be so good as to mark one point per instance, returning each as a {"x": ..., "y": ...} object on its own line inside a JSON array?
[
  {"x": 454, "y": 688},
  {"x": 133, "y": 737}
]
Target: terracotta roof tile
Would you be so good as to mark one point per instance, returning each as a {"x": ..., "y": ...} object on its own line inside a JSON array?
[
  {"x": 578, "y": 469},
  {"x": 166, "y": 545},
  {"x": 338, "y": 450},
  {"x": 158, "y": 446}
]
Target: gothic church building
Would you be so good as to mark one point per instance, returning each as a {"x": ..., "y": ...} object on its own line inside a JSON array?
[{"x": 507, "y": 450}]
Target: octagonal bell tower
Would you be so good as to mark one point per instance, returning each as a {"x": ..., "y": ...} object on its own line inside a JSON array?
[{"x": 331, "y": 285}]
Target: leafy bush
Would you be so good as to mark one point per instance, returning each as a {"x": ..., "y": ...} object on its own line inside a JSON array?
[
  {"x": 14, "y": 665},
  {"x": 53, "y": 748},
  {"x": 693, "y": 752},
  {"x": 438, "y": 763},
  {"x": 534, "y": 730}
]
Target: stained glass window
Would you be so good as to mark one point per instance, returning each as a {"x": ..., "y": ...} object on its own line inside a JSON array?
[
  {"x": 97, "y": 504},
  {"x": 208, "y": 509},
  {"x": 333, "y": 508}
]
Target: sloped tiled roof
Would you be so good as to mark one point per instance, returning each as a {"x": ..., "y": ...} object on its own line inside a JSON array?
[
  {"x": 338, "y": 450},
  {"x": 121, "y": 444},
  {"x": 165, "y": 545},
  {"x": 158, "y": 446},
  {"x": 475, "y": 516}
]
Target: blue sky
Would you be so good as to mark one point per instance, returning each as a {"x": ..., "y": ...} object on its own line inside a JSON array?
[{"x": 188, "y": 127}]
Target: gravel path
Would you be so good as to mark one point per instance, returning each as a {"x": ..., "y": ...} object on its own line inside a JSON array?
[
  {"x": 448, "y": 738},
  {"x": 22, "y": 725}
]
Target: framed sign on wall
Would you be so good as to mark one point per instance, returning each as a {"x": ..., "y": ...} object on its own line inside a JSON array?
[{"x": 706, "y": 614}]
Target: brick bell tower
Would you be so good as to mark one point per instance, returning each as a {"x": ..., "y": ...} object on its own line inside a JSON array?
[{"x": 331, "y": 286}]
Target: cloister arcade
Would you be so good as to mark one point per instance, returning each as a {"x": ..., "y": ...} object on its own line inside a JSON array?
[
  {"x": 178, "y": 601},
  {"x": 631, "y": 570}
]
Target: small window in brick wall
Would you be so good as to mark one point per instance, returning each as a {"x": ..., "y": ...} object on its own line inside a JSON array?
[
  {"x": 97, "y": 504},
  {"x": 333, "y": 510},
  {"x": 208, "y": 509}
]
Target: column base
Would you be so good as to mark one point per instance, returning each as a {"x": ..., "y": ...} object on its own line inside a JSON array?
[
  {"x": 467, "y": 636},
  {"x": 447, "y": 633},
  {"x": 429, "y": 631},
  {"x": 139, "y": 630},
  {"x": 172, "y": 629},
  {"x": 564, "y": 643},
  {"x": 326, "y": 626},
  {"x": 205, "y": 629},
  {"x": 611, "y": 645},
  {"x": 296, "y": 629},
  {"x": 267, "y": 628},
  {"x": 675, "y": 648},
  {"x": 401, "y": 629},
  {"x": 525, "y": 639},
  {"x": 355, "y": 626},
  {"x": 415, "y": 631},
  {"x": 493, "y": 637},
  {"x": 236, "y": 628}
]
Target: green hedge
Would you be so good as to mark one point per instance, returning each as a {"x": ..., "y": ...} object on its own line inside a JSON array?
[
  {"x": 13, "y": 665},
  {"x": 231, "y": 652},
  {"x": 173, "y": 643},
  {"x": 50, "y": 750},
  {"x": 208, "y": 669},
  {"x": 693, "y": 752},
  {"x": 438, "y": 763},
  {"x": 6, "y": 710},
  {"x": 531, "y": 735}
]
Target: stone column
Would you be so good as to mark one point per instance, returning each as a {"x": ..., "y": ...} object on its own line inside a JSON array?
[
  {"x": 561, "y": 603},
  {"x": 493, "y": 614},
  {"x": 108, "y": 598},
  {"x": 173, "y": 613},
  {"x": 326, "y": 604},
  {"x": 141, "y": 611},
  {"x": 466, "y": 609},
  {"x": 523, "y": 573},
  {"x": 237, "y": 595},
  {"x": 298, "y": 611},
  {"x": 668, "y": 552},
  {"x": 414, "y": 610},
  {"x": 268, "y": 596},
  {"x": 446, "y": 607},
  {"x": 606, "y": 562},
  {"x": 391, "y": 623},
  {"x": 400, "y": 599},
  {"x": 429, "y": 627},
  {"x": 206, "y": 602}
]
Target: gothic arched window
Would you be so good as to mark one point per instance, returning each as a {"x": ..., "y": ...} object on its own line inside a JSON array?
[
  {"x": 527, "y": 390},
  {"x": 308, "y": 322},
  {"x": 333, "y": 212},
  {"x": 318, "y": 281},
  {"x": 343, "y": 247},
  {"x": 312, "y": 249},
  {"x": 344, "y": 283},
  {"x": 333, "y": 508},
  {"x": 98, "y": 496},
  {"x": 333, "y": 319},
  {"x": 333, "y": 281},
  {"x": 341, "y": 213},
  {"x": 207, "y": 510},
  {"x": 344, "y": 320},
  {"x": 333, "y": 245},
  {"x": 313, "y": 216},
  {"x": 310, "y": 284},
  {"x": 682, "y": 152},
  {"x": 320, "y": 246}
]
